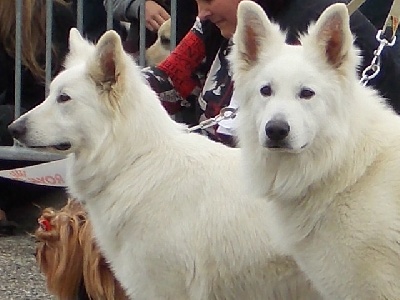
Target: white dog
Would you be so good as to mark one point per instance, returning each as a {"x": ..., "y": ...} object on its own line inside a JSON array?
[
  {"x": 324, "y": 150},
  {"x": 166, "y": 205}
]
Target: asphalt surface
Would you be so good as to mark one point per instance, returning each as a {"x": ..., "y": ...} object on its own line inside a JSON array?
[{"x": 20, "y": 278}]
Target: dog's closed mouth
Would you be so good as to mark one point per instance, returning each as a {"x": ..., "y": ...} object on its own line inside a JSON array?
[
  {"x": 273, "y": 145},
  {"x": 61, "y": 147},
  {"x": 283, "y": 147}
]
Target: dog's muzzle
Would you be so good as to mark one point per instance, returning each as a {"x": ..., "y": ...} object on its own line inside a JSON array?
[{"x": 18, "y": 131}]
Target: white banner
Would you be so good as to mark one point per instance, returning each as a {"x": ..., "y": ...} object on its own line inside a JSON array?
[{"x": 49, "y": 173}]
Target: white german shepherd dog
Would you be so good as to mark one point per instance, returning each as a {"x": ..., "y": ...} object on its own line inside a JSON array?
[
  {"x": 166, "y": 205},
  {"x": 323, "y": 150}
]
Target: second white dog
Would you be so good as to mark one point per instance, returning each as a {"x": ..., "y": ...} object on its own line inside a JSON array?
[{"x": 324, "y": 150}]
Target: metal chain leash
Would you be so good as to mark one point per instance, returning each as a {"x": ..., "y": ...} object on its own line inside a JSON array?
[
  {"x": 225, "y": 114},
  {"x": 370, "y": 72},
  {"x": 374, "y": 68}
]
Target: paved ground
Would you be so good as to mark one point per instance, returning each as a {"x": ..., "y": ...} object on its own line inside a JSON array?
[{"x": 20, "y": 278}]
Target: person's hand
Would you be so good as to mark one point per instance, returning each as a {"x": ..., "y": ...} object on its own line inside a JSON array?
[{"x": 155, "y": 15}]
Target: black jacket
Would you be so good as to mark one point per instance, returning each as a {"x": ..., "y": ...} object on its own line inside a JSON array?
[{"x": 295, "y": 16}]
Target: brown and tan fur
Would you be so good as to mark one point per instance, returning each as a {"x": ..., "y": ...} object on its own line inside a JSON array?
[
  {"x": 33, "y": 33},
  {"x": 67, "y": 255}
]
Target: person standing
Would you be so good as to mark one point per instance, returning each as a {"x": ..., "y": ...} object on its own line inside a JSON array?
[{"x": 195, "y": 78}]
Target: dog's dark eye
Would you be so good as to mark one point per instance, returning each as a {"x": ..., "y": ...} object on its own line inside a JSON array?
[
  {"x": 63, "y": 98},
  {"x": 165, "y": 41},
  {"x": 266, "y": 90},
  {"x": 306, "y": 93}
]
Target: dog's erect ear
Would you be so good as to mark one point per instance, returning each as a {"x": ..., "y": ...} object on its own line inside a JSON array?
[
  {"x": 107, "y": 62},
  {"x": 75, "y": 40},
  {"x": 332, "y": 35},
  {"x": 254, "y": 32},
  {"x": 79, "y": 49}
]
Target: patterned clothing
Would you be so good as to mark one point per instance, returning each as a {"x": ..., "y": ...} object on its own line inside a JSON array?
[
  {"x": 199, "y": 92},
  {"x": 186, "y": 87}
]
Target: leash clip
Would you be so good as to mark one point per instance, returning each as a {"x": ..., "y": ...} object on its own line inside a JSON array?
[
  {"x": 374, "y": 68},
  {"x": 225, "y": 114}
]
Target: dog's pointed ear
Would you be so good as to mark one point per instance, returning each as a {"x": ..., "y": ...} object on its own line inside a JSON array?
[
  {"x": 75, "y": 40},
  {"x": 332, "y": 35},
  {"x": 79, "y": 48},
  {"x": 254, "y": 33},
  {"x": 107, "y": 63}
]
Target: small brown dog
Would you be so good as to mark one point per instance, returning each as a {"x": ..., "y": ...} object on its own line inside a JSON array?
[
  {"x": 161, "y": 48},
  {"x": 69, "y": 257}
]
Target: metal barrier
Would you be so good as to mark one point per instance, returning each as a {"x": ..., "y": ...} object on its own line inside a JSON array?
[{"x": 16, "y": 152}]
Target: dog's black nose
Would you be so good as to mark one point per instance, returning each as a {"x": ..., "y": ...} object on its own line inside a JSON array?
[
  {"x": 277, "y": 130},
  {"x": 17, "y": 128}
]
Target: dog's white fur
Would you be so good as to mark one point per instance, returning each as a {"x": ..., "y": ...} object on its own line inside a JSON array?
[
  {"x": 333, "y": 182},
  {"x": 166, "y": 205}
]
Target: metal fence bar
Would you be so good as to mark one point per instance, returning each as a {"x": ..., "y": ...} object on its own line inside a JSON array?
[
  {"x": 24, "y": 154},
  {"x": 79, "y": 15},
  {"x": 142, "y": 33},
  {"x": 109, "y": 8},
  {"x": 17, "y": 153},
  {"x": 18, "y": 42},
  {"x": 173, "y": 24},
  {"x": 49, "y": 33}
]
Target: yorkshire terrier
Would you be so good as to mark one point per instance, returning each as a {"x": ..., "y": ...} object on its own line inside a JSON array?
[{"x": 67, "y": 254}]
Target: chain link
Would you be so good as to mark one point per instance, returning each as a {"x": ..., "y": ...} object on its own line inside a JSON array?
[
  {"x": 374, "y": 68},
  {"x": 225, "y": 114},
  {"x": 368, "y": 73}
]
